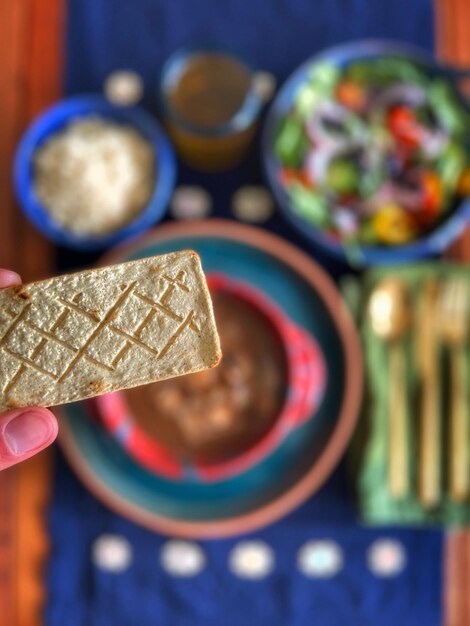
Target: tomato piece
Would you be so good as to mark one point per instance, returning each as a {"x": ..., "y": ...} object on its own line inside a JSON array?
[
  {"x": 402, "y": 123},
  {"x": 351, "y": 95},
  {"x": 306, "y": 180},
  {"x": 432, "y": 188},
  {"x": 288, "y": 176}
]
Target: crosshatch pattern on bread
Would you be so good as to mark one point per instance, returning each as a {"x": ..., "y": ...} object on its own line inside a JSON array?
[{"x": 80, "y": 335}]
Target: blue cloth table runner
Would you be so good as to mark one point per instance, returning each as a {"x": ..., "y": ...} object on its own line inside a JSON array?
[{"x": 317, "y": 567}]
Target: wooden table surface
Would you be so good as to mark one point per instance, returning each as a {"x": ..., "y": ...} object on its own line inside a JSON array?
[
  {"x": 31, "y": 56},
  {"x": 453, "y": 46},
  {"x": 31, "y": 53}
]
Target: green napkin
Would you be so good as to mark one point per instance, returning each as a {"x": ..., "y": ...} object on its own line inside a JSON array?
[{"x": 371, "y": 442}]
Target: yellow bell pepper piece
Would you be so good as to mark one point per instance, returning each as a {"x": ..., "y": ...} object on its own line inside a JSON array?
[{"x": 393, "y": 225}]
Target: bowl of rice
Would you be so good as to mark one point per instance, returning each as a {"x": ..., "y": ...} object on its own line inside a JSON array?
[{"x": 90, "y": 174}]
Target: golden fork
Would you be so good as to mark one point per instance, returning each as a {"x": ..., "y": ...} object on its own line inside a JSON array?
[
  {"x": 453, "y": 320},
  {"x": 427, "y": 360}
]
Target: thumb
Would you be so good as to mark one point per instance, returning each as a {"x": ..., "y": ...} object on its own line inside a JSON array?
[{"x": 23, "y": 433}]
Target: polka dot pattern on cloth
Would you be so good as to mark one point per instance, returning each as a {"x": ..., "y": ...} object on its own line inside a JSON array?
[
  {"x": 124, "y": 87},
  {"x": 386, "y": 558},
  {"x": 111, "y": 553},
  {"x": 264, "y": 85},
  {"x": 190, "y": 203},
  {"x": 183, "y": 559},
  {"x": 320, "y": 559},
  {"x": 251, "y": 560},
  {"x": 253, "y": 204}
]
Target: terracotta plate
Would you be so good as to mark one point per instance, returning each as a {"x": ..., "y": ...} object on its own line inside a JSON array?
[{"x": 307, "y": 457}]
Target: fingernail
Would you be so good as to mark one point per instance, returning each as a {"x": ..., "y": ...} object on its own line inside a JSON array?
[
  {"x": 26, "y": 432},
  {"x": 9, "y": 279}
]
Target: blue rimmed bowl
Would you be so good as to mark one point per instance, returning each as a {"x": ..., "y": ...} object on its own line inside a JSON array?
[
  {"x": 431, "y": 244},
  {"x": 55, "y": 119},
  {"x": 304, "y": 459}
]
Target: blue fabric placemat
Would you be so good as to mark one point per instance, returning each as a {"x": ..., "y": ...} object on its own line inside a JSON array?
[
  {"x": 347, "y": 583},
  {"x": 322, "y": 569}
]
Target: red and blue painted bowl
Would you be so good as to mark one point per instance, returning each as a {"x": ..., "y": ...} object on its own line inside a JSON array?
[
  {"x": 304, "y": 459},
  {"x": 305, "y": 384}
]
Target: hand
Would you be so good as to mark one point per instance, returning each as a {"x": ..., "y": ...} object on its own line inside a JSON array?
[{"x": 23, "y": 432}]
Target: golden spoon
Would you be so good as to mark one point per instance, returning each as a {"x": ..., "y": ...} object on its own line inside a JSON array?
[{"x": 390, "y": 317}]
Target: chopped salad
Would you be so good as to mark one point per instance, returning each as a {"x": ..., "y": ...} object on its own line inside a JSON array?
[{"x": 374, "y": 153}]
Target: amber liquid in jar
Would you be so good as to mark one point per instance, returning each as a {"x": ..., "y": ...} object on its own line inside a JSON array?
[{"x": 202, "y": 101}]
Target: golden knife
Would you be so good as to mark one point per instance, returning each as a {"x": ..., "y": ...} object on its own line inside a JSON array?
[{"x": 427, "y": 361}]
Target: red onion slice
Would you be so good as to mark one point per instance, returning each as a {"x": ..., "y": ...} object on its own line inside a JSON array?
[{"x": 401, "y": 93}]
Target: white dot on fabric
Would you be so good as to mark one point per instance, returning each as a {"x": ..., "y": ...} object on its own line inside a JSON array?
[
  {"x": 251, "y": 559},
  {"x": 182, "y": 558},
  {"x": 386, "y": 557},
  {"x": 264, "y": 85},
  {"x": 111, "y": 553},
  {"x": 320, "y": 559},
  {"x": 124, "y": 87},
  {"x": 252, "y": 204},
  {"x": 190, "y": 203}
]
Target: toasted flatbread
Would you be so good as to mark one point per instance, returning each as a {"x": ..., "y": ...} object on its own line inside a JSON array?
[{"x": 79, "y": 335}]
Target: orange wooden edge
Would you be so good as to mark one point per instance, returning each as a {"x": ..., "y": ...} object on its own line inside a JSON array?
[
  {"x": 30, "y": 78},
  {"x": 453, "y": 46}
]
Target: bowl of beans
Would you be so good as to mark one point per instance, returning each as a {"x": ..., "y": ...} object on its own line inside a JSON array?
[{"x": 218, "y": 423}]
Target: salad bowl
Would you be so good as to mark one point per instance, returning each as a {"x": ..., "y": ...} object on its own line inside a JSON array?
[{"x": 366, "y": 149}]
